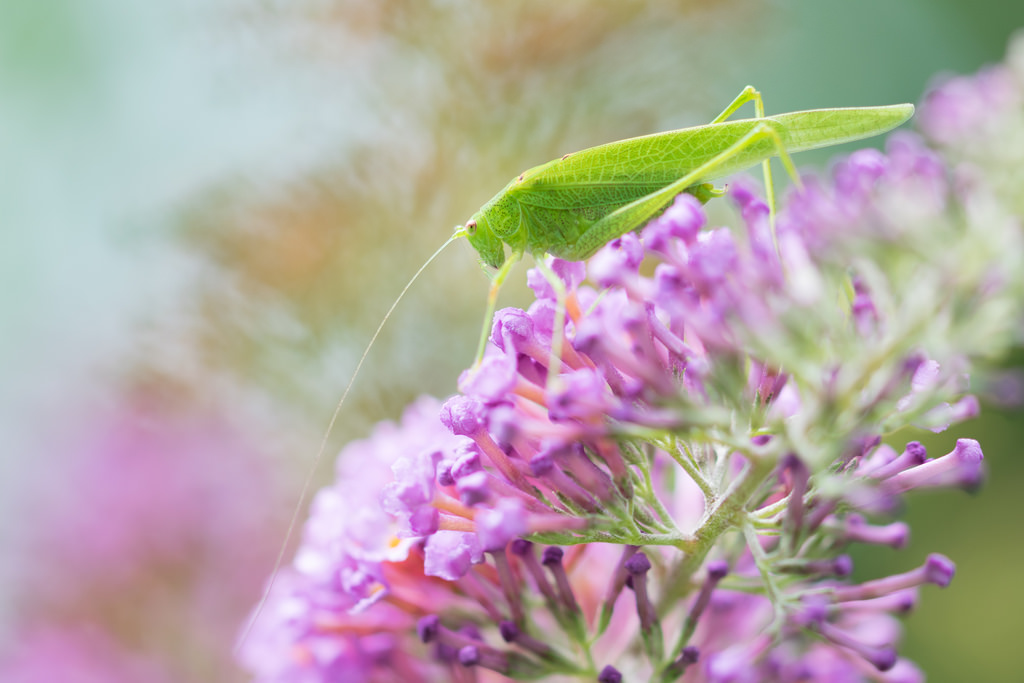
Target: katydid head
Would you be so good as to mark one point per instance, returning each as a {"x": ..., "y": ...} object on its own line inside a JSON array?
[{"x": 487, "y": 244}]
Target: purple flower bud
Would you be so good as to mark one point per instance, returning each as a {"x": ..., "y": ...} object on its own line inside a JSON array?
[
  {"x": 916, "y": 450},
  {"x": 542, "y": 463},
  {"x": 473, "y": 488},
  {"x": 471, "y": 631},
  {"x": 871, "y": 463},
  {"x": 882, "y": 658},
  {"x": 409, "y": 497},
  {"x": 942, "y": 416},
  {"x": 842, "y": 566},
  {"x": 463, "y": 415},
  {"x": 673, "y": 293},
  {"x": 492, "y": 380},
  {"x": 588, "y": 338},
  {"x": 898, "y": 602},
  {"x": 505, "y": 422},
  {"x": 449, "y": 554},
  {"x": 445, "y": 652},
  {"x": 860, "y": 447},
  {"x": 683, "y": 220},
  {"x": 497, "y": 526},
  {"x": 617, "y": 262},
  {"x": 904, "y": 672},
  {"x": 712, "y": 259},
  {"x": 569, "y": 272},
  {"x": 638, "y": 564},
  {"x": 572, "y": 273},
  {"x": 512, "y": 329},
  {"x": 717, "y": 570},
  {"x": 580, "y": 395},
  {"x": 858, "y": 174},
  {"x": 469, "y": 655},
  {"x": 926, "y": 375},
  {"x": 524, "y": 550},
  {"x": 799, "y": 477},
  {"x": 520, "y": 547},
  {"x": 965, "y": 409},
  {"x": 424, "y": 521},
  {"x": 536, "y": 281},
  {"x": 961, "y": 108},
  {"x": 427, "y": 627},
  {"x": 865, "y": 315},
  {"x": 736, "y": 663},
  {"x": 918, "y": 171},
  {"x": 960, "y": 467},
  {"x": 509, "y": 631},
  {"x": 467, "y": 461},
  {"x": 882, "y": 466},
  {"x": 894, "y": 535},
  {"x": 543, "y": 313},
  {"x": 939, "y": 570},
  {"x": 619, "y": 578},
  {"x": 609, "y": 674},
  {"x": 812, "y": 613},
  {"x": 1005, "y": 388},
  {"x": 552, "y": 556},
  {"x": 743, "y": 194},
  {"x": 552, "y": 559},
  {"x": 444, "y": 473}
]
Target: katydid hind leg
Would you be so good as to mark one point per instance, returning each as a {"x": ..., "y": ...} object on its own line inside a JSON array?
[
  {"x": 635, "y": 214},
  {"x": 748, "y": 94},
  {"x": 766, "y": 168},
  {"x": 751, "y": 94}
]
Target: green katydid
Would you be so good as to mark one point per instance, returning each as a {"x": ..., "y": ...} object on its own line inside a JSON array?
[{"x": 572, "y": 206}]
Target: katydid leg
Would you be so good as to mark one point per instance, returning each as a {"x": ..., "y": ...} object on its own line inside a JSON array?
[
  {"x": 637, "y": 213},
  {"x": 492, "y": 302},
  {"x": 749, "y": 93},
  {"x": 558, "y": 329}
]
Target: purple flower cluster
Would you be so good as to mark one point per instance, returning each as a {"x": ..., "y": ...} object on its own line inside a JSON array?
[
  {"x": 657, "y": 475},
  {"x": 978, "y": 118},
  {"x": 135, "y": 524},
  {"x": 82, "y": 653},
  {"x": 345, "y": 608}
]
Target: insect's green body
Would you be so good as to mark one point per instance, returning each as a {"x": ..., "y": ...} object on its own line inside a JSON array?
[{"x": 573, "y": 206}]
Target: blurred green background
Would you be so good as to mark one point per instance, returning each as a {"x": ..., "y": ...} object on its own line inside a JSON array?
[{"x": 211, "y": 205}]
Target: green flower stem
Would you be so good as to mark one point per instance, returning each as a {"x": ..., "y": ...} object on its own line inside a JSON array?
[
  {"x": 725, "y": 514},
  {"x": 690, "y": 467},
  {"x": 679, "y": 541}
]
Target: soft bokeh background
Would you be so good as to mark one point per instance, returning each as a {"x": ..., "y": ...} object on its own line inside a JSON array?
[{"x": 206, "y": 207}]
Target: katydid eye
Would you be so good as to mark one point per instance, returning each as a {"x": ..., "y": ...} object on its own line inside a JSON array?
[{"x": 471, "y": 228}]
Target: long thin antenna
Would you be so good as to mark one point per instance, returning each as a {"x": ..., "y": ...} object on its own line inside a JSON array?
[{"x": 460, "y": 231}]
